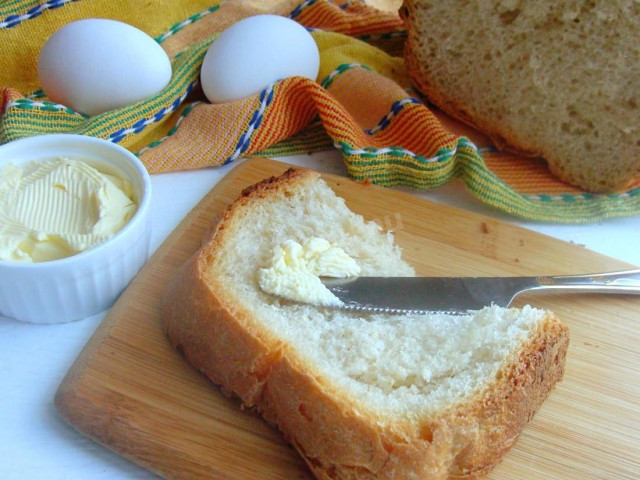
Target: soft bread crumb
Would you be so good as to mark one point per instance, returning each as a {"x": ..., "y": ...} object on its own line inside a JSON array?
[{"x": 386, "y": 361}]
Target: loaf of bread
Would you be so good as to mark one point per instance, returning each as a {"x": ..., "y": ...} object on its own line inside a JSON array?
[
  {"x": 359, "y": 396},
  {"x": 552, "y": 79}
]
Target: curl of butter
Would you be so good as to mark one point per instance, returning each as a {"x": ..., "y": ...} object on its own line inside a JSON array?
[
  {"x": 295, "y": 270},
  {"x": 57, "y": 208}
]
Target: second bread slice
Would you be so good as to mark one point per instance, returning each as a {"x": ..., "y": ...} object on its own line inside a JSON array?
[{"x": 545, "y": 78}]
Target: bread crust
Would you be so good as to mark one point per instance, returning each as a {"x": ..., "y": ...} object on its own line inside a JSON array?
[{"x": 338, "y": 438}]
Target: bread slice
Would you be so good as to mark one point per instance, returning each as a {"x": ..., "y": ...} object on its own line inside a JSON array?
[
  {"x": 358, "y": 395},
  {"x": 552, "y": 79}
]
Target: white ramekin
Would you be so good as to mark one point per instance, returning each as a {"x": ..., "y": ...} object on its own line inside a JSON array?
[{"x": 89, "y": 282}]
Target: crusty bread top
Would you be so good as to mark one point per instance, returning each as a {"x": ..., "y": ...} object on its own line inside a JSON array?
[{"x": 554, "y": 79}]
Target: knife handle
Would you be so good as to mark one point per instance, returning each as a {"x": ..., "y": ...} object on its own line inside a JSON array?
[{"x": 627, "y": 281}]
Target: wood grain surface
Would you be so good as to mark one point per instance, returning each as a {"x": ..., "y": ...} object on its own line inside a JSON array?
[{"x": 129, "y": 391}]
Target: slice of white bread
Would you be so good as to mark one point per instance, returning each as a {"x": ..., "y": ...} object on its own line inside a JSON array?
[
  {"x": 358, "y": 395},
  {"x": 552, "y": 79}
]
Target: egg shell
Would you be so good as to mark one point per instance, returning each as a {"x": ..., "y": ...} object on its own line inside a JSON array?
[
  {"x": 96, "y": 65},
  {"x": 255, "y": 52}
]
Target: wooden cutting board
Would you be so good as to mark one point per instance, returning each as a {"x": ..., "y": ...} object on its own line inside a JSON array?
[{"x": 129, "y": 391}]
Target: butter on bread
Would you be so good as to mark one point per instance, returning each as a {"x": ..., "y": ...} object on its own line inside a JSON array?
[
  {"x": 552, "y": 79},
  {"x": 365, "y": 396}
]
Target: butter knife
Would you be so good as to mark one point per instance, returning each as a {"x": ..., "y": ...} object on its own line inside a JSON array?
[{"x": 457, "y": 295}]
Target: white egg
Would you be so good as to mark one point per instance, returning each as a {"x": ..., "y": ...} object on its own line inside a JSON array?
[
  {"x": 255, "y": 52},
  {"x": 96, "y": 65}
]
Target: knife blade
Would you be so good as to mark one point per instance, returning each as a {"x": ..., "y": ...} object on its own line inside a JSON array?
[{"x": 458, "y": 295}]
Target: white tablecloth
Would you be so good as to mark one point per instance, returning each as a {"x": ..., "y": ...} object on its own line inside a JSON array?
[{"x": 36, "y": 444}]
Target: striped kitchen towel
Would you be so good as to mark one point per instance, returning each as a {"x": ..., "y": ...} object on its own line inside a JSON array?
[{"x": 362, "y": 104}]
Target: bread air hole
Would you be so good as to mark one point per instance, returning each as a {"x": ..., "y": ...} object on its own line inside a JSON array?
[
  {"x": 426, "y": 434},
  {"x": 509, "y": 16},
  {"x": 304, "y": 412}
]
